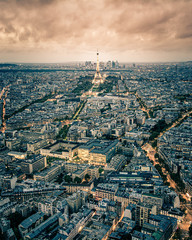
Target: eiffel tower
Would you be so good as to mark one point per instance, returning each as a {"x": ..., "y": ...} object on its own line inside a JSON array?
[{"x": 97, "y": 79}]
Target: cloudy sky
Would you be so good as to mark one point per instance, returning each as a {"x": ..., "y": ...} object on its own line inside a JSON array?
[{"x": 73, "y": 30}]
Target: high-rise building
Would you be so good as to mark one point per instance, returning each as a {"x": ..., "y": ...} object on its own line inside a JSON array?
[
  {"x": 113, "y": 64},
  {"x": 109, "y": 64},
  {"x": 97, "y": 79}
]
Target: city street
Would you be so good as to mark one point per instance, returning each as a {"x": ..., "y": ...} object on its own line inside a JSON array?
[{"x": 184, "y": 225}]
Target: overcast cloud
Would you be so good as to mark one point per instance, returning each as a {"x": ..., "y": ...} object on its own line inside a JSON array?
[{"x": 70, "y": 30}]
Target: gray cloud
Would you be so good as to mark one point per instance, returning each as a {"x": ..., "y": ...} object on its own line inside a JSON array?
[{"x": 66, "y": 29}]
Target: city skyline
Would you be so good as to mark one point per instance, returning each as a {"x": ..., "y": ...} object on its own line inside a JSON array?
[{"x": 64, "y": 31}]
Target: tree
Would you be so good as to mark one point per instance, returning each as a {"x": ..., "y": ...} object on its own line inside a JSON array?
[
  {"x": 91, "y": 196},
  {"x": 177, "y": 234},
  {"x": 190, "y": 231},
  {"x": 16, "y": 218},
  {"x": 167, "y": 184},
  {"x": 151, "y": 113},
  {"x": 60, "y": 178},
  {"x": 77, "y": 180},
  {"x": 101, "y": 170},
  {"x": 68, "y": 178},
  {"x": 156, "y": 155},
  {"x": 87, "y": 177},
  {"x": 127, "y": 236},
  {"x": 154, "y": 144}
]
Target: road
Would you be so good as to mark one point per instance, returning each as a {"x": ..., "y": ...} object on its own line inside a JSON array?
[
  {"x": 151, "y": 155},
  {"x": 175, "y": 123},
  {"x": 143, "y": 108},
  {"x": 79, "y": 110},
  {"x": 184, "y": 225},
  {"x": 4, "y": 92}
]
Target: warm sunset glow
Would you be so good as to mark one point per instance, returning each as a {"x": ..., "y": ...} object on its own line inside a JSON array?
[{"x": 126, "y": 30}]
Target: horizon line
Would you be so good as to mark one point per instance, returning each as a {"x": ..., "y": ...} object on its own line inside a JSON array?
[{"x": 184, "y": 61}]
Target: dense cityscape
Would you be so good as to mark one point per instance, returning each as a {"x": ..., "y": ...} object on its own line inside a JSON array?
[
  {"x": 95, "y": 120},
  {"x": 96, "y": 151}
]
